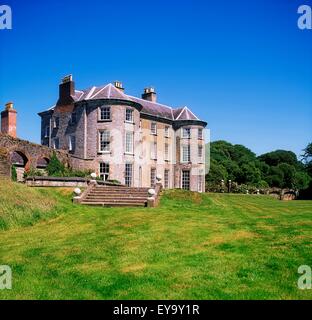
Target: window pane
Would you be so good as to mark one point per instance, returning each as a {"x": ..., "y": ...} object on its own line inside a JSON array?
[
  {"x": 104, "y": 170},
  {"x": 166, "y": 151},
  {"x": 104, "y": 140},
  {"x": 200, "y": 133},
  {"x": 186, "y": 133},
  {"x": 186, "y": 180},
  {"x": 129, "y": 142},
  {"x": 129, "y": 115},
  {"x": 153, "y": 128},
  {"x": 153, "y": 150},
  {"x": 153, "y": 177},
  {"x": 105, "y": 113},
  {"x": 186, "y": 153},
  {"x": 200, "y": 153},
  {"x": 128, "y": 174},
  {"x": 166, "y": 179}
]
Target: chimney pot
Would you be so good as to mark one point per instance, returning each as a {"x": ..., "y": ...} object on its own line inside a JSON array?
[
  {"x": 9, "y": 106},
  {"x": 118, "y": 85},
  {"x": 149, "y": 94},
  {"x": 66, "y": 91}
]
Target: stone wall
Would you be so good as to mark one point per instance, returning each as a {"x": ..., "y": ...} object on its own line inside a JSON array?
[
  {"x": 31, "y": 152},
  {"x": 56, "y": 182}
]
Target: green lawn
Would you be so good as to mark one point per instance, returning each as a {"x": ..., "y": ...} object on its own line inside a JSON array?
[{"x": 193, "y": 246}]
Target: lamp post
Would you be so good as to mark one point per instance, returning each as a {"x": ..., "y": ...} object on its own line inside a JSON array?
[
  {"x": 229, "y": 186},
  {"x": 222, "y": 186}
]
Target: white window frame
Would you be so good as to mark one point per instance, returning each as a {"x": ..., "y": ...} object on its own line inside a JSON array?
[
  {"x": 56, "y": 122},
  {"x": 167, "y": 131},
  {"x": 167, "y": 179},
  {"x": 54, "y": 143},
  {"x": 131, "y": 113},
  {"x": 104, "y": 165},
  {"x": 186, "y": 132},
  {"x": 101, "y": 132},
  {"x": 200, "y": 134},
  {"x": 200, "y": 181},
  {"x": 183, "y": 180},
  {"x": 128, "y": 178},
  {"x": 166, "y": 151},
  {"x": 100, "y": 113},
  {"x": 200, "y": 153},
  {"x": 154, "y": 150},
  {"x": 71, "y": 141},
  {"x": 129, "y": 142},
  {"x": 153, "y": 177},
  {"x": 154, "y": 128},
  {"x": 47, "y": 132},
  {"x": 186, "y": 159}
]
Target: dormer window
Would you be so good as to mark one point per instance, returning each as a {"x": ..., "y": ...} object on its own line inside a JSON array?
[{"x": 105, "y": 113}]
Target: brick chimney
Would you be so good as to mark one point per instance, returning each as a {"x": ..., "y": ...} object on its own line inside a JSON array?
[
  {"x": 149, "y": 94},
  {"x": 66, "y": 91},
  {"x": 8, "y": 120}
]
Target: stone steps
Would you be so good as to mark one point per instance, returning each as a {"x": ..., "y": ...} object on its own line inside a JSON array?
[{"x": 113, "y": 196}]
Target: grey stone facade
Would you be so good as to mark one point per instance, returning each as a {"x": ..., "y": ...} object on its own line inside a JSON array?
[{"x": 147, "y": 150}]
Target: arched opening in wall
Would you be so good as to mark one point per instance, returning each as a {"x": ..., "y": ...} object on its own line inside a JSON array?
[
  {"x": 18, "y": 162},
  {"x": 42, "y": 163}
]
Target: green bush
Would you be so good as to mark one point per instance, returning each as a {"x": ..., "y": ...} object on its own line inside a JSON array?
[
  {"x": 33, "y": 173},
  {"x": 13, "y": 173},
  {"x": 55, "y": 167}
]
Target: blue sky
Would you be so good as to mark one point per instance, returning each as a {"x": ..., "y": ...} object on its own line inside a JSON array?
[{"x": 242, "y": 66}]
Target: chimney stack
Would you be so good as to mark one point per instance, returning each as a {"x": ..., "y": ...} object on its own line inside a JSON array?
[
  {"x": 119, "y": 86},
  {"x": 149, "y": 94},
  {"x": 66, "y": 91},
  {"x": 8, "y": 120}
]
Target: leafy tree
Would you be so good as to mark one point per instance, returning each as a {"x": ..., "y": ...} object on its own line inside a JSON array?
[
  {"x": 277, "y": 157},
  {"x": 289, "y": 172},
  {"x": 217, "y": 172},
  {"x": 307, "y": 156},
  {"x": 301, "y": 180}
]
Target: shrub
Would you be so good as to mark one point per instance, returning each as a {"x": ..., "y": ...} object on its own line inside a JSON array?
[
  {"x": 33, "y": 173},
  {"x": 13, "y": 173},
  {"x": 55, "y": 167}
]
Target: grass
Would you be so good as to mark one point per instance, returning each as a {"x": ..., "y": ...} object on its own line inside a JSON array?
[{"x": 210, "y": 246}]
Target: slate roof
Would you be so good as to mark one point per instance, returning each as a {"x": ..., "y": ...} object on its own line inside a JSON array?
[{"x": 155, "y": 109}]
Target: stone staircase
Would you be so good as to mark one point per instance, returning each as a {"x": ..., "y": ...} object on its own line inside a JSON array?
[{"x": 119, "y": 196}]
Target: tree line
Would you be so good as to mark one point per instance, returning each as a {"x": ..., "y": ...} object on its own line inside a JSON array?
[{"x": 280, "y": 168}]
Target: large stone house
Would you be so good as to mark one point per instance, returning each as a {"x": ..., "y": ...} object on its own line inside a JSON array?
[{"x": 124, "y": 138}]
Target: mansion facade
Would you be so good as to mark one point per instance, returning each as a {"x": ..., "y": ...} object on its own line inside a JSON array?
[{"x": 125, "y": 138}]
